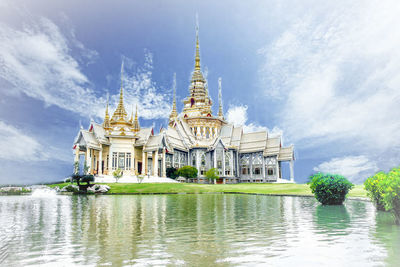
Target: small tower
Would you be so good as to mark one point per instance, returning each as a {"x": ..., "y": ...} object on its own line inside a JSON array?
[
  {"x": 174, "y": 113},
  {"x": 136, "y": 126},
  {"x": 106, "y": 123},
  {"x": 131, "y": 119},
  {"x": 220, "y": 110}
]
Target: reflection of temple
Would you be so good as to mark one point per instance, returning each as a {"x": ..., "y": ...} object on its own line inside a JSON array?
[{"x": 194, "y": 137}]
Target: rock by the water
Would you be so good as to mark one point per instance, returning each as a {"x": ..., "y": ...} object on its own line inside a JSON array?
[
  {"x": 70, "y": 188},
  {"x": 99, "y": 188}
]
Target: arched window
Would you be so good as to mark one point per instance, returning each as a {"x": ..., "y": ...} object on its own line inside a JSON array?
[
  {"x": 203, "y": 164},
  {"x": 201, "y": 131},
  {"x": 213, "y": 131},
  {"x": 191, "y": 102},
  {"x": 194, "y": 159},
  {"x": 207, "y": 132},
  {"x": 257, "y": 164},
  {"x": 195, "y": 131},
  {"x": 245, "y": 164},
  {"x": 228, "y": 163}
]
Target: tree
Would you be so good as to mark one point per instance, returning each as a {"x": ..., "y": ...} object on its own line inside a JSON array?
[
  {"x": 85, "y": 178},
  {"x": 117, "y": 174},
  {"x": 330, "y": 189},
  {"x": 384, "y": 190},
  {"x": 188, "y": 172},
  {"x": 212, "y": 174},
  {"x": 171, "y": 172}
]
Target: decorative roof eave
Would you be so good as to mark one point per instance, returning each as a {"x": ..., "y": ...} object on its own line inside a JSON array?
[{"x": 122, "y": 136}]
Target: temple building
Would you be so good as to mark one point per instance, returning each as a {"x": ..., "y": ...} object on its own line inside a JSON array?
[{"x": 194, "y": 137}]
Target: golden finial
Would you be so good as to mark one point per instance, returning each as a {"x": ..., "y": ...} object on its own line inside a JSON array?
[
  {"x": 174, "y": 113},
  {"x": 136, "y": 125},
  {"x": 121, "y": 96},
  {"x": 106, "y": 123},
  {"x": 197, "y": 58},
  {"x": 131, "y": 119},
  {"x": 220, "y": 111}
]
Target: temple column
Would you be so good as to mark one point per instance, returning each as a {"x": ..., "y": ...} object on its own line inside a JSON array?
[
  {"x": 164, "y": 171},
  {"x": 100, "y": 171},
  {"x": 251, "y": 167},
  {"x": 291, "y": 171},
  {"x": 263, "y": 168},
  {"x": 197, "y": 165},
  {"x": 155, "y": 163},
  {"x": 133, "y": 162},
  {"x": 144, "y": 163},
  {"x": 215, "y": 158},
  {"x": 237, "y": 164},
  {"x": 223, "y": 162},
  {"x": 76, "y": 153},
  {"x": 88, "y": 159}
]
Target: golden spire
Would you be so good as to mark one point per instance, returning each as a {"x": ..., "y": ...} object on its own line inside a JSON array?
[
  {"x": 106, "y": 123},
  {"x": 197, "y": 58},
  {"x": 120, "y": 113},
  {"x": 220, "y": 110},
  {"x": 136, "y": 126},
  {"x": 174, "y": 113}
]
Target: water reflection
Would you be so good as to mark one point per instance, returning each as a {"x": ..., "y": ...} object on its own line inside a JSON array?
[
  {"x": 214, "y": 229},
  {"x": 332, "y": 219}
]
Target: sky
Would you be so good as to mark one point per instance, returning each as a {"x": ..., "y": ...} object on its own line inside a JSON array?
[{"x": 324, "y": 74}]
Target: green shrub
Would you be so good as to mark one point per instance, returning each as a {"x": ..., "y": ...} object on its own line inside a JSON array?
[
  {"x": 330, "y": 189},
  {"x": 171, "y": 172},
  {"x": 188, "y": 172},
  {"x": 374, "y": 191},
  {"x": 212, "y": 174},
  {"x": 117, "y": 174},
  {"x": 390, "y": 187},
  {"x": 384, "y": 190}
]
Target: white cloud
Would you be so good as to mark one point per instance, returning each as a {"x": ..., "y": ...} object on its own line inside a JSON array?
[
  {"x": 17, "y": 146},
  {"x": 355, "y": 168},
  {"x": 237, "y": 115},
  {"x": 336, "y": 69},
  {"x": 37, "y": 61}
]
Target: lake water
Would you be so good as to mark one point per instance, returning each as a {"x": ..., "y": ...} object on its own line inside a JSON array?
[{"x": 192, "y": 230}]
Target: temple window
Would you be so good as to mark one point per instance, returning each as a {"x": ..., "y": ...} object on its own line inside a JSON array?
[
  {"x": 168, "y": 161},
  {"x": 227, "y": 163},
  {"x": 207, "y": 132},
  {"x": 219, "y": 154},
  {"x": 194, "y": 159},
  {"x": 128, "y": 161},
  {"x": 257, "y": 164},
  {"x": 121, "y": 161},
  {"x": 195, "y": 131},
  {"x": 270, "y": 171},
  {"x": 114, "y": 160},
  {"x": 191, "y": 102},
  {"x": 201, "y": 131},
  {"x": 245, "y": 164}
]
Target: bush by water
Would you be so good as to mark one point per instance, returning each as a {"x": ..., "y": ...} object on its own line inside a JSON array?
[{"x": 330, "y": 189}]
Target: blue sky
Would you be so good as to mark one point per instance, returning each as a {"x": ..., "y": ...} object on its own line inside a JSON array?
[{"x": 325, "y": 74}]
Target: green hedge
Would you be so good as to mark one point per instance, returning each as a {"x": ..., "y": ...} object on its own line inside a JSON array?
[
  {"x": 384, "y": 190},
  {"x": 374, "y": 191},
  {"x": 188, "y": 172},
  {"x": 330, "y": 189}
]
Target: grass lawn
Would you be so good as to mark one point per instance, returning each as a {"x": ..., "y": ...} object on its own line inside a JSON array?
[{"x": 159, "y": 188}]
